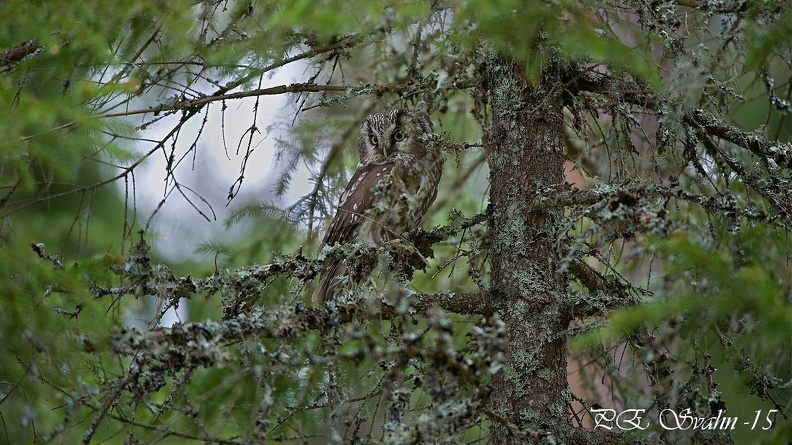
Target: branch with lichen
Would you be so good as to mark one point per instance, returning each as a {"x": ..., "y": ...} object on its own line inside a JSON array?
[
  {"x": 636, "y": 193},
  {"x": 777, "y": 156},
  {"x": 623, "y": 211},
  {"x": 204, "y": 343},
  {"x": 779, "y": 153},
  {"x": 243, "y": 287}
]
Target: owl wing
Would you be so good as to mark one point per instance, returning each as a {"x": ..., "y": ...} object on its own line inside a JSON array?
[{"x": 357, "y": 198}]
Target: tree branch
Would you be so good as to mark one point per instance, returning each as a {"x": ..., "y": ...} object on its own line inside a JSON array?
[
  {"x": 458, "y": 223},
  {"x": 466, "y": 304},
  {"x": 780, "y": 153},
  {"x": 626, "y": 88},
  {"x": 13, "y": 56},
  {"x": 376, "y": 89},
  {"x": 204, "y": 343},
  {"x": 633, "y": 92},
  {"x": 606, "y": 294},
  {"x": 632, "y": 193}
]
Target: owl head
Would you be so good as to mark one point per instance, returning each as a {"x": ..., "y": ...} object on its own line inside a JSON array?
[{"x": 384, "y": 136}]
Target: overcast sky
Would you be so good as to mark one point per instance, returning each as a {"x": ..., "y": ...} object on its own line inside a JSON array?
[{"x": 178, "y": 226}]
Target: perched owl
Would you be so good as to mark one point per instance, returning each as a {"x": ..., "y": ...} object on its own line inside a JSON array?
[{"x": 391, "y": 190}]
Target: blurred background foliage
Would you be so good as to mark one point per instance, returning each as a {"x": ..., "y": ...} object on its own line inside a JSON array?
[{"x": 91, "y": 93}]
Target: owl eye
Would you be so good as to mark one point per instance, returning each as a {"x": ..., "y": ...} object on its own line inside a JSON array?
[
  {"x": 374, "y": 140},
  {"x": 398, "y": 136}
]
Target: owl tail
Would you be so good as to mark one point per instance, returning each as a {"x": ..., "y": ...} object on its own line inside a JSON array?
[{"x": 325, "y": 290}]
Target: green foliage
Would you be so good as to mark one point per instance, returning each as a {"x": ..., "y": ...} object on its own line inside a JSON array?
[
  {"x": 548, "y": 31},
  {"x": 770, "y": 33},
  {"x": 255, "y": 209},
  {"x": 48, "y": 324},
  {"x": 707, "y": 286},
  {"x": 732, "y": 300}
]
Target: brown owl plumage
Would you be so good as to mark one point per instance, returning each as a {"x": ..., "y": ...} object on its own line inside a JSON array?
[{"x": 391, "y": 190}]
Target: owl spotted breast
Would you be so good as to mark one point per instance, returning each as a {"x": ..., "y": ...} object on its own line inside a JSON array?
[{"x": 391, "y": 190}]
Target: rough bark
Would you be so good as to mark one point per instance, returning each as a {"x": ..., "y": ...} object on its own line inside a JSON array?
[{"x": 527, "y": 153}]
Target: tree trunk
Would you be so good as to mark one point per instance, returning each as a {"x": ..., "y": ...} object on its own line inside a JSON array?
[{"x": 527, "y": 154}]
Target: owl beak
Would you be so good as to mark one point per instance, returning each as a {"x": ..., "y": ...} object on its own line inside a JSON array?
[{"x": 385, "y": 151}]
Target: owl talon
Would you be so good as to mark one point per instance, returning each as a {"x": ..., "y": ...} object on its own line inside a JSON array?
[{"x": 406, "y": 250}]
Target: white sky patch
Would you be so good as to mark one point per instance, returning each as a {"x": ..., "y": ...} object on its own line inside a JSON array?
[
  {"x": 211, "y": 170},
  {"x": 208, "y": 171}
]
